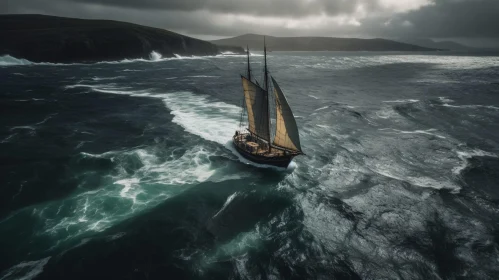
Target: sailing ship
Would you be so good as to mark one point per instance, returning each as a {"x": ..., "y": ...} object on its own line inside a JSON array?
[{"x": 263, "y": 141}]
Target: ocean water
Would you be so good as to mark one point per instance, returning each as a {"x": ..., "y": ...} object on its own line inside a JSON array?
[{"x": 124, "y": 170}]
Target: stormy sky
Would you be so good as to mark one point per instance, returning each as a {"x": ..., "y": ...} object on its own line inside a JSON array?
[{"x": 475, "y": 22}]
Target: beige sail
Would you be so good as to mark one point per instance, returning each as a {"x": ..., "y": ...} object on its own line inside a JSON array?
[
  {"x": 286, "y": 135},
  {"x": 257, "y": 106}
]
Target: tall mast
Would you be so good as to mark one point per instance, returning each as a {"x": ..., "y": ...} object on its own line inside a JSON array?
[
  {"x": 266, "y": 77},
  {"x": 249, "y": 68}
]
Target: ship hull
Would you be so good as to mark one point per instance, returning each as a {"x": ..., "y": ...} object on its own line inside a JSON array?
[{"x": 282, "y": 161}]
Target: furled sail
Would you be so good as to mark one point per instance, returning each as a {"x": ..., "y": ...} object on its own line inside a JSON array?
[
  {"x": 286, "y": 134},
  {"x": 257, "y": 106}
]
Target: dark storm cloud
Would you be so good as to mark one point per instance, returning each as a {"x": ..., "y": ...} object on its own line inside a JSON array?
[
  {"x": 377, "y": 18},
  {"x": 447, "y": 19},
  {"x": 250, "y": 7}
]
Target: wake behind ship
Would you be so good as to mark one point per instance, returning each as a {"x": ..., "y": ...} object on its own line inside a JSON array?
[{"x": 262, "y": 141}]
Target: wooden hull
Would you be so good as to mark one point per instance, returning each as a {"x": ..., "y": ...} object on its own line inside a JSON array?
[{"x": 281, "y": 161}]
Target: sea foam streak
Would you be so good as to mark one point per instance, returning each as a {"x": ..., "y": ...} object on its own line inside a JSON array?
[
  {"x": 124, "y": 194},
  {"x": 25, "y": 270},
  {"x": 152, "y": 183},
  {"x": 465, "y": 156},
  {"x": 212, "y": 121},
  {"x": 7, "y": 60}
]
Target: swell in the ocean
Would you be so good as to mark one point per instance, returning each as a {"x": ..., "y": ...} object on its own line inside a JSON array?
[
  {"x": 126, "y": 169},
  {"x": 7, "y": 60}
]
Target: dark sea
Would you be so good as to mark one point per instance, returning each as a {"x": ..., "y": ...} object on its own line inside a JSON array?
[{"x": 125, "y": 170}]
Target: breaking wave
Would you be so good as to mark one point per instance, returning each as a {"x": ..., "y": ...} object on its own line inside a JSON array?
[
  {"x": 211, "y": 120},
  {"x": 154, "y": 56},
  {"x": 8, "y": 60}
]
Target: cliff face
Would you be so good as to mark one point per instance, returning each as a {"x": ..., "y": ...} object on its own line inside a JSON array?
[
  {"x": 255, "y": 42},
  {"x": 54, "y": 39}
]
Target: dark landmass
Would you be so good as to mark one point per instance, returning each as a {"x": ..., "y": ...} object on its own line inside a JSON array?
[
  {"x": 41, "y": 38},
  {"x": 429, "y": 43},
  {"x": 255, "y": 42}
]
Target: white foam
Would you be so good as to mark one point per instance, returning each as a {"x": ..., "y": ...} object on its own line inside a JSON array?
[
  {"x": 227, "y": 202},
  {"x": 7, "y": 60},
  {"x": 315, "y": 97},
  {"x": 322, "y": 108},
  {"x": 107, "y": 78},
  {"x": 386, "y": 113},
  {"x": 202, "y": 76},
  {"x": 155, "y": 56},
  {"x": 402, "y": 101},
  {"x": 465, "y": 156},
  {"x": 212, "y": 121},
  {"x": 127, "y": 183},
  {"x": 471, "y": 106},
  {"x": 26, "y": 270},
  {"x": 427, "y": 132},
  {"x": 125, "y": 193},
  {"x": 421, "y": 181},
  {"x": 6, "y": 140},
  {"x": 445, "y": 99}
]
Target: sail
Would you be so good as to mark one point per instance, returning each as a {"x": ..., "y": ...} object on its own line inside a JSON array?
[
  {"x": 286, "y": 134},
  {"x": 257, "y": 106}
]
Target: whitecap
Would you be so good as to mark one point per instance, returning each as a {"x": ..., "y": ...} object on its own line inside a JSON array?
[
  {"x": 465, "y": 156},
  {"x": 227, "y": 202},
  {"x": 427, "y": 132},
  {"x": 322, "y": 108},
  {"x": 402, "y": 101},
  {"x": 107, "y": 78},
  {"x": 202, "y": 76},
  {"x": 7, "y": 60},
  {"x": 472, "y": 106},
  {"x": 211, "y": 120},
  {"x": 26, "y": 270},
  {"x": 445, "y": 99}
]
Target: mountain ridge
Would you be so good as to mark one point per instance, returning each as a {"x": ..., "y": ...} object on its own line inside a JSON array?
[
  {"x": 429, "y": 43},
  {"x": 319, "y": 43},
  {"x": 41, "y": 38}
]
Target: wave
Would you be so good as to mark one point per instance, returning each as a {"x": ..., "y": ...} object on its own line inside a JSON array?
[
  {"x": 402, "y": 101},
  {"x": 154, "y": 56},
  {"x": 227, "y": 202},
  {"x": 198, "y": 115},
  {"x": 445, "y": 99},
  {"x": 26, "y": 270},
  {"x": 427, "y": 132},
  {"x": 202, "y": 76},
  {"x": 8, "y": 60},
  {"x": 321, "y": 108},
  {"x": 471, "y": 106},
  {"x": 156, "y": 180},
  {"x": 107, "y": 78},
  {"x": 465, "y": 156}
]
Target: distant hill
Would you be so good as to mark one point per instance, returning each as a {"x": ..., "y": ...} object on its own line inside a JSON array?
[
  {"x": 55, "y": 39},
  {"x": 428, "y": 43},
  {"x": 255, "y": 42}
]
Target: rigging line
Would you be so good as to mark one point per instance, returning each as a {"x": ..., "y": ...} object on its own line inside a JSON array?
[
  {"x": 242, "y": 114},
  {"x": 267, "y": 92}
]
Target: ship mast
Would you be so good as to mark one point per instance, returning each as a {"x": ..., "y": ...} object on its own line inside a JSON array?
[
  {"x": 249, "y": 68},
  {"x": 266, "y": 81}
]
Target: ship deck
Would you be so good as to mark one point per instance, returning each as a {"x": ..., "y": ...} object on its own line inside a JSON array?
[{"x": 257, "y": 146}]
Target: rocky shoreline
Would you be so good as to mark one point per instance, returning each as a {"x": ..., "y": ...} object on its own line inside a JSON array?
[{"x": 40, "y": 38}]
